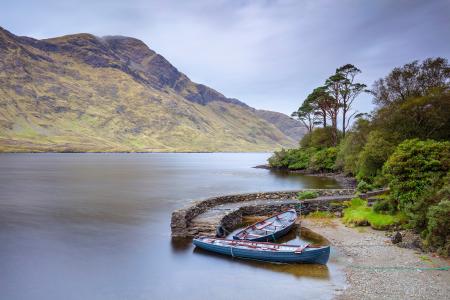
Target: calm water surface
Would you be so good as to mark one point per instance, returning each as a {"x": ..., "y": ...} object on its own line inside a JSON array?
[{"x": 97, "y": 226}]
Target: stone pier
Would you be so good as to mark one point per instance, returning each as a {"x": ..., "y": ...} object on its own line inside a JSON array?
[{"x": 202, "y": 217}]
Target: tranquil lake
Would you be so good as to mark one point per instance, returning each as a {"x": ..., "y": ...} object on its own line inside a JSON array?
[{"x": 97, "y": 226}]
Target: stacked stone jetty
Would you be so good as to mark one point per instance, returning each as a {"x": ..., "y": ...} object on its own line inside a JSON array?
[{"x": 203, "y": 217}]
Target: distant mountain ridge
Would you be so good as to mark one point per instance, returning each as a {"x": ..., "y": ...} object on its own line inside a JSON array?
[
  {"x": 86, "y": 93},
  {"x": 285, "y": 124}
]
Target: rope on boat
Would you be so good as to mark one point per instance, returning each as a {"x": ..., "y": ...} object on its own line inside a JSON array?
[{"x": 401, "y": 268}]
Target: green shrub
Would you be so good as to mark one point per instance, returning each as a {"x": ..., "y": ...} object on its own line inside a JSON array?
[
  {"x": 371, "y": 159},
  {"x": 418, "y": 218},
  {"x": 363, "y": 187},
  {"x": 293, "y": 159},
  {"x": 413, "y": 169},
  {"x": 319, "y": 138},
  {"x": 307, "y": 195},
  {"x": 351, "y": 146},
  {"x": 323, "y": 160},
  {"x": 424, "y": 117},
  {"x": 278, "y": 159},
  {"x": 438, "y": 229},
  {"x": 357, "y": 202},
  {"x": 299, "y": 158},
  {"x": 383, "y": 205}
]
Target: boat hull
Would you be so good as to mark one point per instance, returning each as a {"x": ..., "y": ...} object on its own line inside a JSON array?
[
  {"x": 272, "y": 237},
  {"x": 308, "y": 255},
  {"x": 275, "y": 234}
]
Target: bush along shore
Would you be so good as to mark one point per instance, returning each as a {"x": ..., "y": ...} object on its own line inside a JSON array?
[{"x": 403, "y": 145}]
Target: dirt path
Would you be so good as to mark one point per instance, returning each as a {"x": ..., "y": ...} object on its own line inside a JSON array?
[{"x": 376, "y": 269}]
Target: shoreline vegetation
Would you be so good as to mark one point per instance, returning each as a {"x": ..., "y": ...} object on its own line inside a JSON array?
[{"x": 403, "y": 146}]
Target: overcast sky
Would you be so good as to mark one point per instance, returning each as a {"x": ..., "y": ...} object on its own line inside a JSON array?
[{"x": 269, "y": 54}]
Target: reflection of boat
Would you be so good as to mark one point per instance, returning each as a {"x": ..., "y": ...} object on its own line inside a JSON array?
[
  {"x": 265, "y": 251},
  {"x": 269, "y": 229},
  {"x": 319, "y": 272}
]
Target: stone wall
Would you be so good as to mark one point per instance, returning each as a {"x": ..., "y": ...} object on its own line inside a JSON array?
[
  {"x": 181, "y": 218},
  {"x": 304, "y": 207}
]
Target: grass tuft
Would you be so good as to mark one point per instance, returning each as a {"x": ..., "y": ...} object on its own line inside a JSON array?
[
  {"x": 307, "y": 195},
  {"x": 359, "y": 214},
  {"x": 320, "y": 215}
]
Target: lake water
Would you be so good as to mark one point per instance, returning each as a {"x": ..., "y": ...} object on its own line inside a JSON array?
[{"x": 97, "y": 226}]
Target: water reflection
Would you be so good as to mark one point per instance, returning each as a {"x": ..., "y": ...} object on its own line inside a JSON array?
[
  {"x": 315, "y": 271},
  {"x": 97, "y": 226},
  {"x": 312, "y": 182}
]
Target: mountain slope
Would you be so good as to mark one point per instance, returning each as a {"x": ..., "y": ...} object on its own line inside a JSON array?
[
  {"x": 290, "y": 127},
  {"x": 85, "y": 93}
]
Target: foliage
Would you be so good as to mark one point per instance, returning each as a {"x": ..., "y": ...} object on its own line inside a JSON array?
[
  {"x": 323, "y": 160},
  {"x": 356, "y": 202},
  {"x": 359, "y": 214},
  {"x": 391, "y": 147},
  {"x": 351, "y": 145},
  {"x": 293, "y": 159},
  {"x": 325, "y": 102},
  {"x": 412, "y": 80},
  {"x": 320, "y": 215},
  {"x": 429, "y": 211},
  {"x": 343, "y": 89},
  {"x": 414, "y": 168},
  {"x": 319, "y": 138},
  {"x": 278, "y": 159},
  {"x": 424, "y": 117},
  {"x": 384, "y": 205},
  {"x": 306, "y": 114},
  {"x": 371, "y": 159},
  {"x": 363, "y": 187},
  {"x": 299, "y": 159},
  {"x": 307, "y": 195},
  {"x": 438, "y": 229},
  {"x": 322, "y": 103}
]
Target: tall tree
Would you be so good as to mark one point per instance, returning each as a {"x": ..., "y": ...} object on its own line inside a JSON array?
[
  {"x": 412, "y": 80},
  {"x": 333, "y": 87},
  {"x": 306, "y": 114},
  {"x": 321, "y": 101},
  {"x": 350, "y": 90}
]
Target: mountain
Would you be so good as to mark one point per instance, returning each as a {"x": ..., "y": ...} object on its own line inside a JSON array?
[
  {"x": 86, "y": 93},
  {"x": 285, "y": 124}
]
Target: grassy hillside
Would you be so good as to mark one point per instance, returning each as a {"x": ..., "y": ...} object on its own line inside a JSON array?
[{"x": 84, "y": 93}]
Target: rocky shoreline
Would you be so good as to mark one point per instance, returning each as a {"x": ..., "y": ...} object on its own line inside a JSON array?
[
  {"x": 377, "y": 269},
  {"x": 343, "y": 180}
]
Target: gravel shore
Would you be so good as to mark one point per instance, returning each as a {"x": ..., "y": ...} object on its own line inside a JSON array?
[{"x": 377, "y": 269}]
